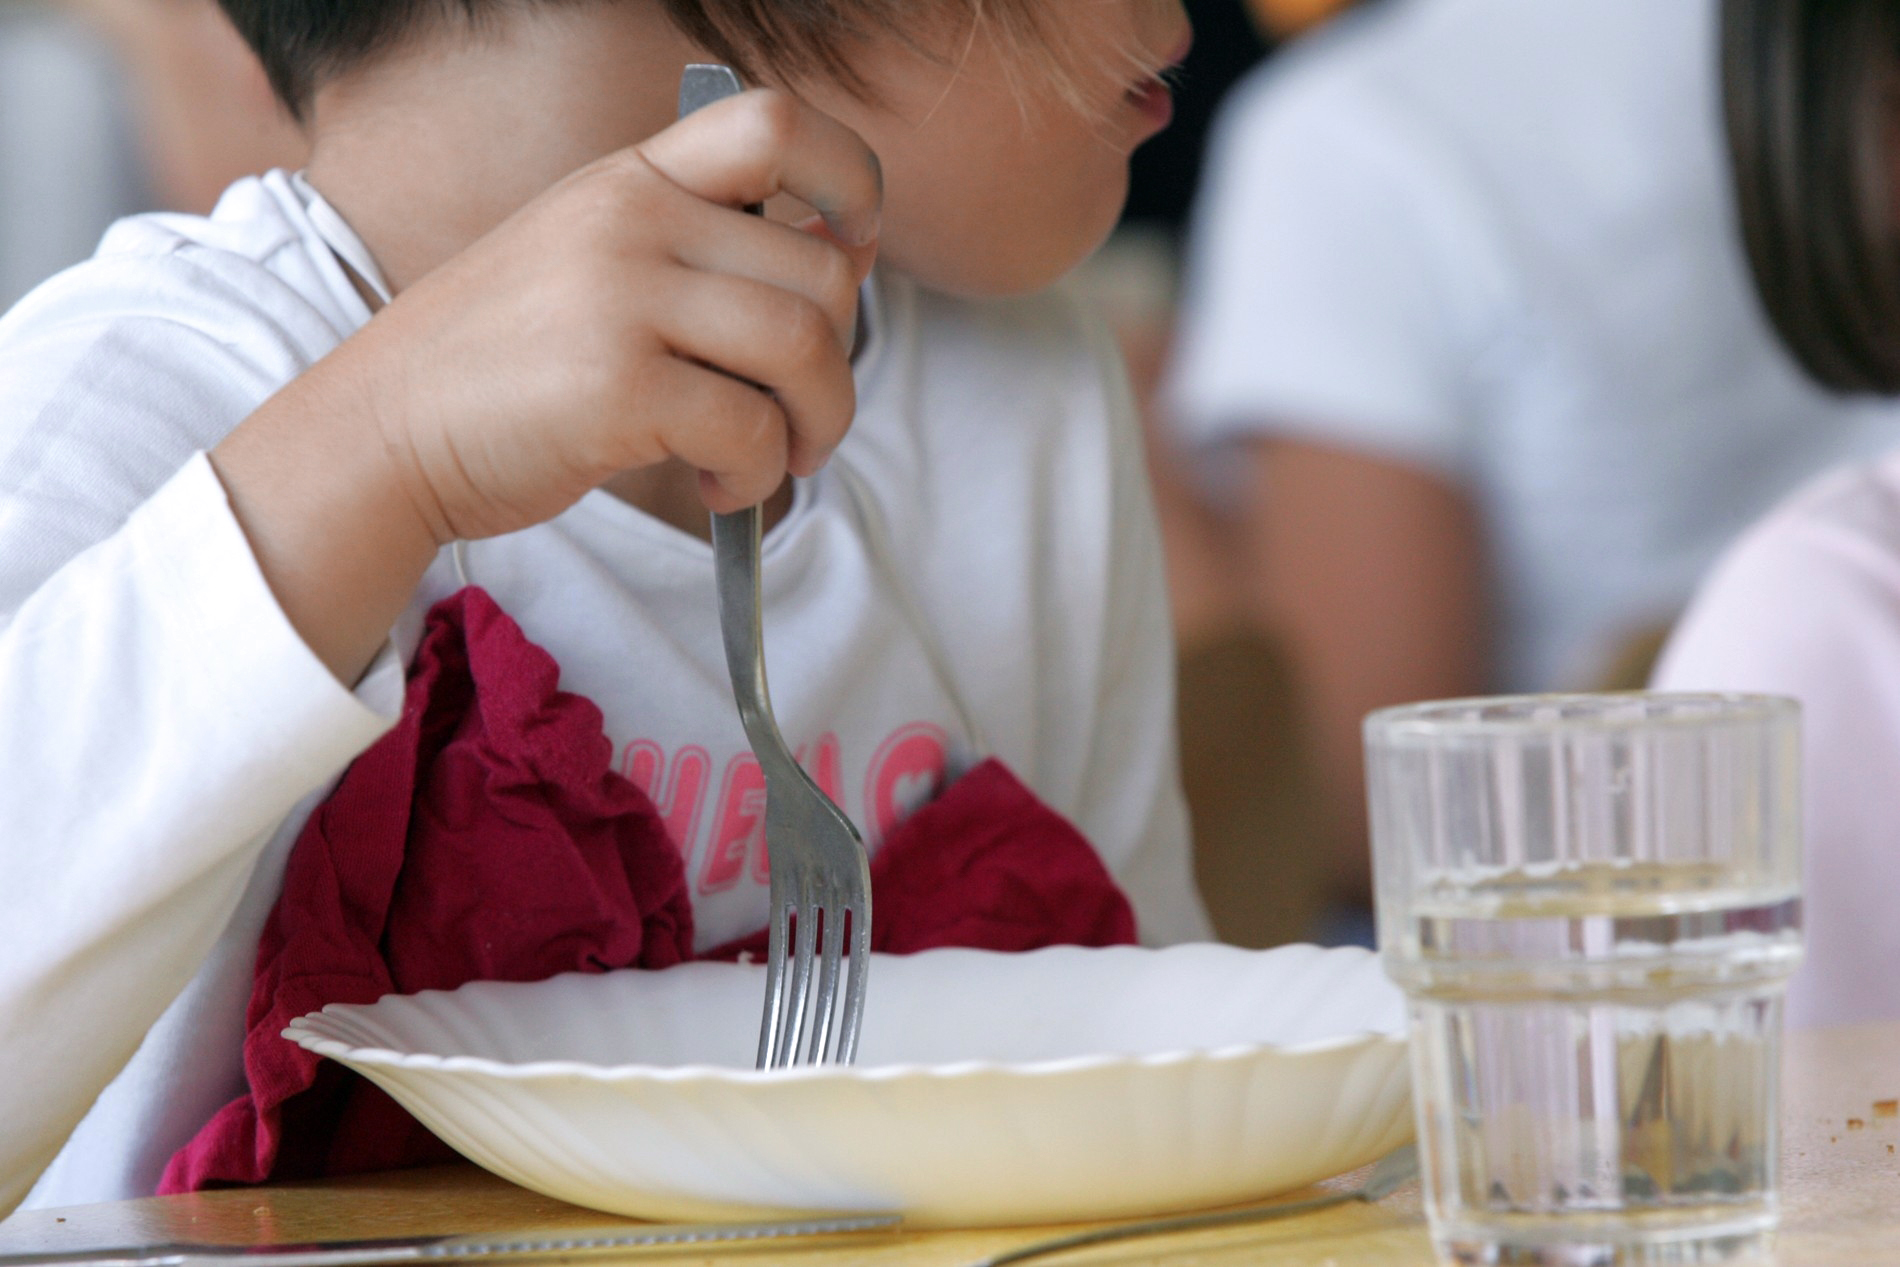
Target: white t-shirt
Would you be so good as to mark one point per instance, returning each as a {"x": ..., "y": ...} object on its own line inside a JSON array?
[
  {"x": 1494, "y": 239},
  {"x": 977, "y": 572},
  {"x": 1807, "y": 604}
]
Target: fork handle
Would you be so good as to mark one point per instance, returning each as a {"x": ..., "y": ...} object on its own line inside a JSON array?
[
  {"x": 736, "y": 571},
  {"x": 736, "y": 535}
]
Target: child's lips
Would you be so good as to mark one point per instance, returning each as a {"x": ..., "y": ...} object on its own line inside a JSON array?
[
  {"x": 1154, "y": 101},
  {"x": 1152, "y": 97}
]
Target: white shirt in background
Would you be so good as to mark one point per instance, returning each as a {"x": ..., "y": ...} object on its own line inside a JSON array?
[
  {"x": 977, "y": 572},
  {"x": 69, "y": 159},
  {"x": 1808, "y": 605},
  {"x": 1494, "y": 239}
]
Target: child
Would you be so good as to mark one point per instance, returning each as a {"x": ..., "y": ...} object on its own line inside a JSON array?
[
  {"x": 1805, "y": 604},
  {"x": 512, "y": 308}
]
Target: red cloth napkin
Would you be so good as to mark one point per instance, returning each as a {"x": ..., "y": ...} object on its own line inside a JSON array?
[{"x": 488, "y": 837}]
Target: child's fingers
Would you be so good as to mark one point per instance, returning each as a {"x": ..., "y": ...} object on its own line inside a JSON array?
[
  {"x": 778, "y": 255},
  {"x": 745, "y": 149},
  {"x": 775, "y": 340},
  {"x": 735, "y": 434}
]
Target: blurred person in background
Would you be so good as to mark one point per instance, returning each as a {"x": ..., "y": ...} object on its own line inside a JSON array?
[
  {"x": 1469, "y": 358},
  {"x": 69, "y": 162},
  {"x": 204, "y": 110},
  {"x": 1807, "y": 603},
  {"x": 110, "y": 107}
]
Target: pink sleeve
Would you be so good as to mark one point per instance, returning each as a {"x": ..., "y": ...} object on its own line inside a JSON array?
[{"x": 1808, "y": 605}]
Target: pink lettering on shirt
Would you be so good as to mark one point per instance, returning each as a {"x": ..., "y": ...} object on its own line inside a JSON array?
[
  {"x": 683, "y": 795},
  {"x": 906, "y": 773},
  {"x": 739, "y": 820},
  {"x": 722, "y": 838}
]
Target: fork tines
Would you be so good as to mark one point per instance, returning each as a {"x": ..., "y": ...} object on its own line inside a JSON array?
[{"x": 820, "y": 895}]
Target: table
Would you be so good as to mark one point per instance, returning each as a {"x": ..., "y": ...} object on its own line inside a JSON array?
[{"x": 1840, "y": 1172}]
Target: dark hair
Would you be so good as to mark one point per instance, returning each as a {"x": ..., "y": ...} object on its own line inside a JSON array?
[
  {"x": 1810, "y": 90},
  {"x": 304, "y": 42}
]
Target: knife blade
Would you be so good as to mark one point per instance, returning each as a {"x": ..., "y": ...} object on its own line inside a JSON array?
[{"x": 448, "y": 1248}]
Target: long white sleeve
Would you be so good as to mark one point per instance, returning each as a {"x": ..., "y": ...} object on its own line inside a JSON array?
[{"x": 161, "y": 717}]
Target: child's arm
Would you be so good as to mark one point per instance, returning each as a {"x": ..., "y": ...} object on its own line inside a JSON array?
[
  {"x": 163, "y": 713},
  {"x": 627, "y": 316},
  {"x": 158, "y": 718}
]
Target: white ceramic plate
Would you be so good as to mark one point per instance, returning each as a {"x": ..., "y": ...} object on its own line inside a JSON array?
[{"x": 1058, "y": 1085}]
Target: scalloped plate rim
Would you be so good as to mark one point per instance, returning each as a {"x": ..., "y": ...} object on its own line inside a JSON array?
[
  {"x": 307, "y": 1032},
  {"x": 532, "y": 1070}
]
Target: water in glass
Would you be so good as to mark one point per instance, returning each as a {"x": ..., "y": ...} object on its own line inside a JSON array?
[{"x": 1596, "y": 1009}]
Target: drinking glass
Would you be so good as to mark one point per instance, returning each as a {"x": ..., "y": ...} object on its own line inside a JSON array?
[{"x": 1593, "y": 905}]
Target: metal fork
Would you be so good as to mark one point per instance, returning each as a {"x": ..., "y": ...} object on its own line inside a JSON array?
[{"x": 820, "y": 876}]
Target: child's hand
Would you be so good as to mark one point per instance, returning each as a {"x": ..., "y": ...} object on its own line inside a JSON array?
[
  {"x": 631, "y": 314},
  {"x": 634, "y": 313}
]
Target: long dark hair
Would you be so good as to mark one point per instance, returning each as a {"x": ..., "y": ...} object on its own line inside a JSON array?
[{"x": 1813, "y": 94}]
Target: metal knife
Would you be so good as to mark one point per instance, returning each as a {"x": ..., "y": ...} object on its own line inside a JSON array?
[{"x": 423, "y": 1249}]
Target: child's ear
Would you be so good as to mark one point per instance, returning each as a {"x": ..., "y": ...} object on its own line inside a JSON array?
[{"x": 862, "y": 257}]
